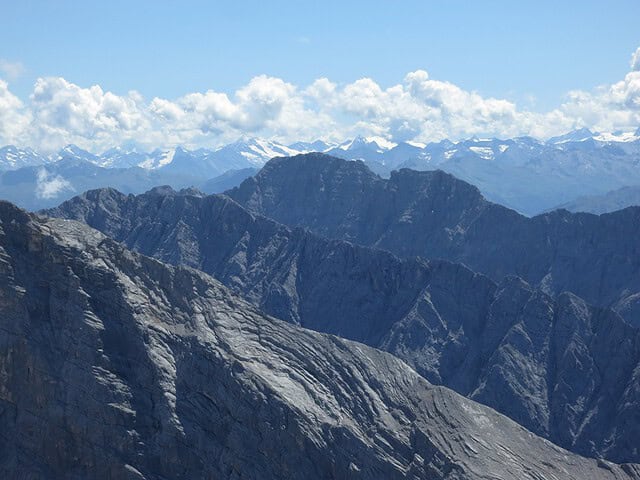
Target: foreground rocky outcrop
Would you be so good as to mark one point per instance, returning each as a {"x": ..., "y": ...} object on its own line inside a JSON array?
[
  {"x": 434, "y": 215},
  {"x": 565, "y": 370},
  {"x": 114, "y": 365}
]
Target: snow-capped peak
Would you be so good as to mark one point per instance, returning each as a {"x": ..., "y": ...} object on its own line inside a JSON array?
[
  {"x": 12, "y": 157},
  {"x": 585, "y": 134},
  {"x": 158, "y": 159},
  {"x": 579, "y": 135},
  {"x": 316, "y": 146},
  {"x": 75, "y": 153},
  {"x": 74, "y": 150},
  {"x": 379, "y": 143},
  {"x": 126, "y": 148},
  {"x": 256, "y": 151},
  {"x": 618, "y": 137},
  {"x": 382, "y": 142}
]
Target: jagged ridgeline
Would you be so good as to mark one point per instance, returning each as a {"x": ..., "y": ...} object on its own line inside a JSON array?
[
  {"x": 560, "y": 367},
  {"x": 529, "y": 175},
  {"x": 114, "y": 365},
  {"x": 435, "y": 215}
]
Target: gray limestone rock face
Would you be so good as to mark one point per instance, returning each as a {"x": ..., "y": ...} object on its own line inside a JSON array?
[
  {"x": 563, "y": 369},
  {"x": 434, "y": 215},
  {"x": 114, "y": 365}
]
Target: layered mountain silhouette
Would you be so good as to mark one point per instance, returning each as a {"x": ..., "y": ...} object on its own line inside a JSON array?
[
  {"x": 434, "y": 215},
  {"x": 45, "y": 186},
  {"x": 116, "y": 365},
  {"x": 609, "y": 202},
  {"x": 563, "y": 369},
  {"x": 524, "y": 173}
]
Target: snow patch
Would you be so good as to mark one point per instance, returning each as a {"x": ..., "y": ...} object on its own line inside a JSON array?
[
  {"x": 167, "y": 158},
  {"x": 483, "y": 152},
  {"x": 381, "y": 142},
  {"x": 617, "y": 137}
]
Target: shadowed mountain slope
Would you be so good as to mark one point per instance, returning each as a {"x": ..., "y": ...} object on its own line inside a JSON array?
[
  {"x": 561, "y": 368},
  {"x": 115, "y": 365},
  {"x": 434, "y": 215}
]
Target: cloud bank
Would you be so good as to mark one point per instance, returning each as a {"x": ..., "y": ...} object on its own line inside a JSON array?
[{"x": 418, "y": 108}]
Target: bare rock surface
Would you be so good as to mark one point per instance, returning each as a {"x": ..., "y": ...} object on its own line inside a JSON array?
[
  {"x": 114, "y": 365},
  {"x": 563, "y": 369}
]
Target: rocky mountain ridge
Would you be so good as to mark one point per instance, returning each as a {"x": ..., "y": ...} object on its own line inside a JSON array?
[
  {"x": 565, "y": 370},
  {"x": 115, "y": 365},
  {"x": 435, "y": 215}
]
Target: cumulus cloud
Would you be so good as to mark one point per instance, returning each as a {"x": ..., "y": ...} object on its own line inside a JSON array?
[
  {"x": 321, "y": 89},
  {"x": 14, "y": 119},
  {"x": 50, "y": 185},
  {"x": 608, "y": 108},
  {"x": 419, "y": 108},
  {"x": 63, "y": 112}
]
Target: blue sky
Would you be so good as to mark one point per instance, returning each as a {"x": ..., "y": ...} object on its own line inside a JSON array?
[
  {"x": 499, "y": 48},
  {"x": 529, "y": 53}
]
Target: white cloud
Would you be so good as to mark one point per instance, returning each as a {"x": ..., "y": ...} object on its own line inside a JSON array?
[
  {"x": 50, "y": 185},
  {"x": 321, "y": 89},
  {"x": 611, "y": 107},
  {"x": 11, "y": 70},
  {"x": 635, "y": 60},
  {"x": 166, "y": 110},
  {"x": 63, "y": 112},
  {"x": 14, "y": 119},
  {"x": 418, "y": 108}
]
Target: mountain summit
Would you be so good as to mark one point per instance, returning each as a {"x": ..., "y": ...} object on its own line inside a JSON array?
[{"x": 435, "y": 215}]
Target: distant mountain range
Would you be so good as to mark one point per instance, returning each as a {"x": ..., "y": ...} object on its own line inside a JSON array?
[
  {"x": 34, "y": 181},
  {"x": 535, "y": 354},
  {"x": 44, "y": 186},
  {"x": 204, "y": 163},
  {"x": 609, "y": 202},
  {"x": 522, "y": 173}
]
